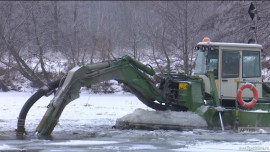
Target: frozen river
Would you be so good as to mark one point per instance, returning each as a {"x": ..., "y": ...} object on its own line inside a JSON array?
[{"x": 86, "y": 125}]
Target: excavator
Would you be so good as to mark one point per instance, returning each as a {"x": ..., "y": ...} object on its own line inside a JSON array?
[{"x": 226, "y": 88}]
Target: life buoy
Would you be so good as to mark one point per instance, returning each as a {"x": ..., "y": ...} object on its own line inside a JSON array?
[{"x": 239, "y": 95}]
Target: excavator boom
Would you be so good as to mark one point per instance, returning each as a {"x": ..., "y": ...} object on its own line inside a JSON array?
[
  {"x": 126, "y": 70},
  {"x": 170, "y": 91}
]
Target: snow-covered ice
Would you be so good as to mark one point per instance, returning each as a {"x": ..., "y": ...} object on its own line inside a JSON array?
[
  {"x": 86, "y": 125},
  {"x": 165, "y": 118},
  {"x": 83, "y": 142}
]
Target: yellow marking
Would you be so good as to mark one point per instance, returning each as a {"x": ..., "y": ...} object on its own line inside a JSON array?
[
  {"x": 216, "y": 82},
  {"x": 183, "y": 86},
  {"x": 236, "y": 80},
  {"x": 236, "y": 113}
]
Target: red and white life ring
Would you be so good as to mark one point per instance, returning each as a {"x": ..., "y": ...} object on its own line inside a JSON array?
[{"x": 239, "y": 95}]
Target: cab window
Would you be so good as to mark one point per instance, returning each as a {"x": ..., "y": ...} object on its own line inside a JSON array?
[
  {"x": 207, "y": 60},
  {"x": 251, "y": 64},
  {"x": 230, "y": 64}
]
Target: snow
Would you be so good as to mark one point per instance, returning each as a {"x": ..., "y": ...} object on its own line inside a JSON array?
[
  {"x": 86, "y": 125},
  {"x": 7, "y": 147},
  {"x": 226, "y": 147},
  {"x": 164, "y": 117},
  {"x": 259, "y": 111},
  {"x": 82, "y": 142},
  {"x": 89, "y": 109},
  {"x": 142, "y": 147},
  {"x": 74, "y": 69}
]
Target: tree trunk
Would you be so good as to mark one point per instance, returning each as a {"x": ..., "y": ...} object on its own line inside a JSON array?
[
  {"x": 186, "y": 69},
  {"x": 42, "y": 64},
  {"x": 168, "y": 66},
  {"x": 155, "y": 59},
  {"x": 3, "y": 86}
]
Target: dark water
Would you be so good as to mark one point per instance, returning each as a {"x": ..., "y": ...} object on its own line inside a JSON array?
[{"x": 105, "y": 138}]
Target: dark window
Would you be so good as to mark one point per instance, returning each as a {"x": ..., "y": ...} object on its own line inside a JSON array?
[
  {"x": 230, "y": 64},
  {"x": 212, "y": 62}
]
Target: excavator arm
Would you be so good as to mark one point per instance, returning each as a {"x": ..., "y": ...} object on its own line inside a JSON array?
[
  {"x": 173, "y": 91},
  {"x": 125, "y": 70}
]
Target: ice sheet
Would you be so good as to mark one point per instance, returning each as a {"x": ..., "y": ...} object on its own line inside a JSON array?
[{"x": 164, "y": 117}]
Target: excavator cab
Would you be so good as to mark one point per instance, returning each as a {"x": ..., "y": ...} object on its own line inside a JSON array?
[{"x": 231, "y": 64}]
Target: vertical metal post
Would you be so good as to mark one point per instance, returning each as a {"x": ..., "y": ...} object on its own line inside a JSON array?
[
  {"x": 221, "y": 121},
  {"x": 214, "y": 93}
]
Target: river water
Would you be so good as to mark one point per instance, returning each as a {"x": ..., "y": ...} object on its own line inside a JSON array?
[
  {"x": 105, "y": 138},
  {"x": 87, "y": 125}
]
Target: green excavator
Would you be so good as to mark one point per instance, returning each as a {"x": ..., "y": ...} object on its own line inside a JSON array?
[{"x": 216, "y": 91}]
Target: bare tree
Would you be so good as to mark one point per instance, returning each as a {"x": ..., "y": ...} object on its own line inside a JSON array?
[
  {"x": 10, "y": 35},
  {"x": 38, "y": 37},
  {"x": 35, "y": 36}
]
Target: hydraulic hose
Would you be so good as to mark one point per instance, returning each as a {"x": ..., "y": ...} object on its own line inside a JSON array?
[
  {"x": 266, "y": 88},
  {"x": 30, "y": 102}
]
